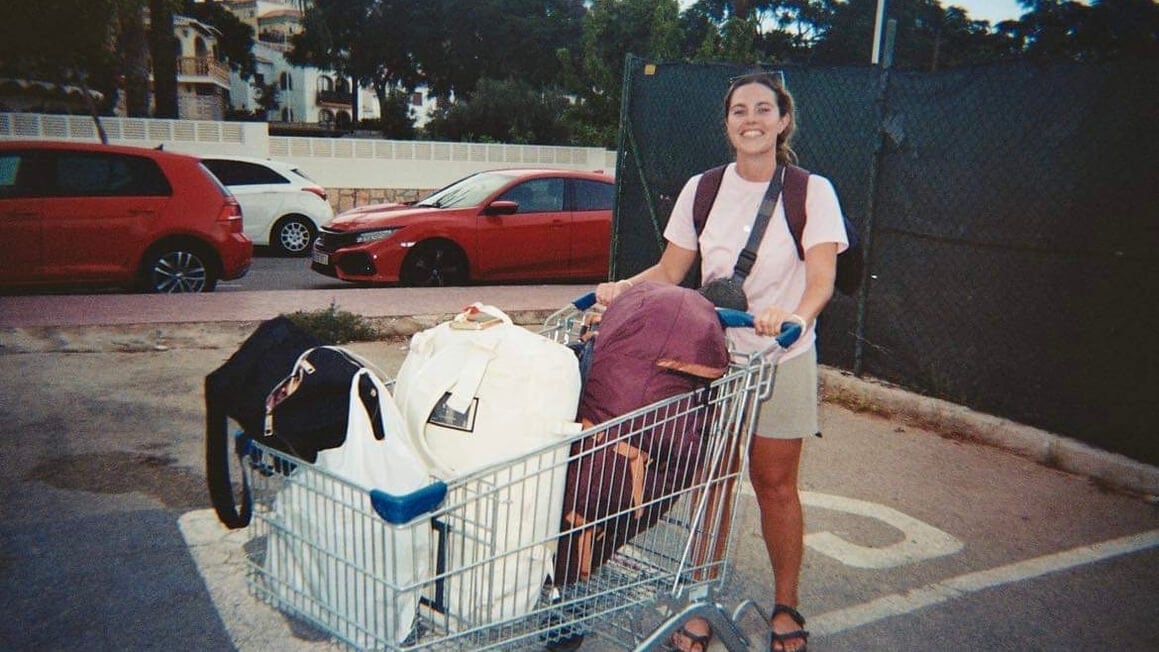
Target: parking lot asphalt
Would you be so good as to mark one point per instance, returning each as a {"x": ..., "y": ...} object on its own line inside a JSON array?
[{"x": 402, "y": 311}]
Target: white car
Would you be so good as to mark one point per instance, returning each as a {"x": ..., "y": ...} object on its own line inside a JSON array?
[{"x": 281, "y": 207}]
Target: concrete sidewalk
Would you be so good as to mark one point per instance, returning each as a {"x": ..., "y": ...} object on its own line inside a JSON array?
[
  {"x": 402, "y": 311},
  {"x": 123, "y": 309}
]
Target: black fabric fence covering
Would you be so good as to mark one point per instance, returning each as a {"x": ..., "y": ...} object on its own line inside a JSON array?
[{"x": 1010, "y": 215}]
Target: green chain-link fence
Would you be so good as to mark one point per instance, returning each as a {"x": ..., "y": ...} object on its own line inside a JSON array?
[{"x": 1010, "y": 215}]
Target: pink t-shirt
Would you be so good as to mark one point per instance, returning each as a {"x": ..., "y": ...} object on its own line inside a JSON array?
[{"x": 778, "y": 276}]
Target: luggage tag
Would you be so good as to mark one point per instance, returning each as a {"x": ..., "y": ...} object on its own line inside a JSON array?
[{"x": 475, "y": 319}]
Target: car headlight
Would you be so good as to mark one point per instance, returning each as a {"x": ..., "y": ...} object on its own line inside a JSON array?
[{"x": 374, "y": 236}]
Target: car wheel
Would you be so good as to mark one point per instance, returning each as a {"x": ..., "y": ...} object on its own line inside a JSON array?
[
  {"x": 293, "y": 235},
  {"x": 178, "y": 268},
  {"x": 434, "y": 263}
]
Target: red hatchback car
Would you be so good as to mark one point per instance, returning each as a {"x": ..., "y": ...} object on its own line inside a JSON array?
[
  {"x": 91, "y": 214},
  {"x": 502, "y": 225}
]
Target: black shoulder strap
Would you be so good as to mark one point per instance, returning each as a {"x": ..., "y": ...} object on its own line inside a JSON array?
[
  {"x": 796, "y": 186},
  {"x": 748, "y": 256},
  {"x": 217, "y": 448},
  {"x": 706, "y": 190}
]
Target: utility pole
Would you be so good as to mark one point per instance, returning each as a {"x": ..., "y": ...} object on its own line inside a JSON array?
[{"x": 878, "y": 21}]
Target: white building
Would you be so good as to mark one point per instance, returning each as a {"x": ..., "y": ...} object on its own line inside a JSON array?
[
  {"x": 203, "y": 81},
  {"x": 307, "y": 96}
]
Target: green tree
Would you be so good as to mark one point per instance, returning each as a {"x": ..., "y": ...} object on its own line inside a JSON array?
[
  {"x": 799, "y": 24},
  {"x": 928, "y": 36},
  {"x": 506, "y": 111},
  {"x": 371, "y": 41},
  {"x": 60, "y": 41},
  {"x": 267, "y": 98},
  {"x": 1059, "y": 30},
  {"x": 1122, "y": 28},
  {"x": 132, "y": 47},
  {"x": 459, "y": 43},
  {"x": 612, "y": 30},
  {"x": 396, "y": 121},
  {"x": 163, "y": 47},
  {"x": 66, "y": 42},
  {"x": 748, "y": 31}
]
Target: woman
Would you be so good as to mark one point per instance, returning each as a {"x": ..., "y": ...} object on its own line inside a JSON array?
[{"x": 760, "y": 119}]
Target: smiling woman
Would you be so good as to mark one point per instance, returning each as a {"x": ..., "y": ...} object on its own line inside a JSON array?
[{"x": 780, "y": 284}]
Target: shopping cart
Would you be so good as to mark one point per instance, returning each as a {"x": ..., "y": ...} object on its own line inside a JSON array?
[{"x": 447, "y": 568}]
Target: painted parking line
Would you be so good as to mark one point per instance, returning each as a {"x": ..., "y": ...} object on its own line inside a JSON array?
[
  {"x": 899, "y": 604},
  {"x": 253, "y": 625},
  {"x": 920, "y": 541}
]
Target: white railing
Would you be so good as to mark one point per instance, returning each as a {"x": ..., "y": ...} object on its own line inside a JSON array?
[
  {"x": 134, "y": 131},
  {"x": 347, "y": 162},
  {"x": 422, "y": 150}
]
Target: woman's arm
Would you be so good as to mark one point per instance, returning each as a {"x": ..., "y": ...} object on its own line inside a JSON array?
[
  {"x": 673, "y": 266},
  {"x": 820, "y": 272}
]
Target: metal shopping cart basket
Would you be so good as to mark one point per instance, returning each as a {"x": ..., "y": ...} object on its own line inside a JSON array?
[{"x": 442, "y": 569}]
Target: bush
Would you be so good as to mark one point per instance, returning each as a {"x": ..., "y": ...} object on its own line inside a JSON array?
[{"x": 336, "y": 326}]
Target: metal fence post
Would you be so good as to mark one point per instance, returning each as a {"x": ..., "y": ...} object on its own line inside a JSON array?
[{"x": 871, "y": 203}]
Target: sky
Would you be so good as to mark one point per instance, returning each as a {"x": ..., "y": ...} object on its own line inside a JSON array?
[{"x": 994, "y": 11}]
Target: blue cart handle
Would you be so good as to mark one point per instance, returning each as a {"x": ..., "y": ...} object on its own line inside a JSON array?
[
  {"x": 585, "y": 301},
  {"x": 402, "y": 509},
  {"x": 729, "y": 318}
]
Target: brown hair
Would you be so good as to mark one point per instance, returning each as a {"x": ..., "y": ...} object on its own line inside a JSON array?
[{"x": 775, "y": 82}]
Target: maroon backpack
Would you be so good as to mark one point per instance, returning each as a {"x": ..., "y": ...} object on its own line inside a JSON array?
[{"x": 655, "y": 341}]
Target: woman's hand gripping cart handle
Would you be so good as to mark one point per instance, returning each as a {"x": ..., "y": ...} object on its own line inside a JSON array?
[{"x": 729, "y": 318}]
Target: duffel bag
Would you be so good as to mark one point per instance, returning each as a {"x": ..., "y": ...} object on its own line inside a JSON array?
[{"x": 478, "y": 392}]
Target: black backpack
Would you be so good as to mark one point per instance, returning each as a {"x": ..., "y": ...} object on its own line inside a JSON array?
[
  {"x": 306, "y": 414},
  {"x": 850, "y": 263}
]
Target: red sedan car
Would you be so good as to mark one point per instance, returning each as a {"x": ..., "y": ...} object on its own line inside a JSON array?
[{"x": 502, "y": 225}]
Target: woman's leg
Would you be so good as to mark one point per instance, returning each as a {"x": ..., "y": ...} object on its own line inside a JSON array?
[{"x": 773, "y": 468}]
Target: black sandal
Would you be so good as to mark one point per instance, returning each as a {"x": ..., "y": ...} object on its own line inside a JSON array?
[
  {"x": 799, "y": 634},
  {"x": 696, "y": 642}
]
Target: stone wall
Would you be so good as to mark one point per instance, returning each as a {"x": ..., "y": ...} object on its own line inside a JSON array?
[{"x": 343, "y": 199}]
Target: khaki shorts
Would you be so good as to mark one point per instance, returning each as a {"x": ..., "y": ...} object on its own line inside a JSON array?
[{"x": 791, "y": 412}]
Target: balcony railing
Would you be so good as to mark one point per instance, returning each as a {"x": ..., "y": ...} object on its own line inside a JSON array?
[
  {"x": 203, "y": 67},
  {"x": 343, "y": 98}
]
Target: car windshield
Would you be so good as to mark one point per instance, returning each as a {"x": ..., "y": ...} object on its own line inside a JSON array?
[{"x": 470, "y": 191}]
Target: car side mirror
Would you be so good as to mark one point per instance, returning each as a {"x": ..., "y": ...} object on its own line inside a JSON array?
[{"x": 502, "y": 207}]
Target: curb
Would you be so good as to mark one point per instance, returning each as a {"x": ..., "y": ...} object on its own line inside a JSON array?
[
  {"x": 960, "y": 422},
  {"x": 130, "y": 338}
]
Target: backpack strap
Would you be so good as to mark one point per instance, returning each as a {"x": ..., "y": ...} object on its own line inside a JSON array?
[
  {"x": 796, "y": 186},
  {"x": 217, "y": 445},
  {"x": 748, "y": 255},
  {"x": 793, "y": 193},
  {"x": 706, "y": 190}
]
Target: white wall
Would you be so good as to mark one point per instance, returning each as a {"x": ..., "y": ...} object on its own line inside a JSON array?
[{"x": 332, "y": 162}]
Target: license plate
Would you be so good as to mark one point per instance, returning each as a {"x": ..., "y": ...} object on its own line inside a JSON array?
[{"x": 320, "y": 258}]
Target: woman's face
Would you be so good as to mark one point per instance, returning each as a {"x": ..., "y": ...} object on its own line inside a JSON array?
[{"x": 754, "y": 121}]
